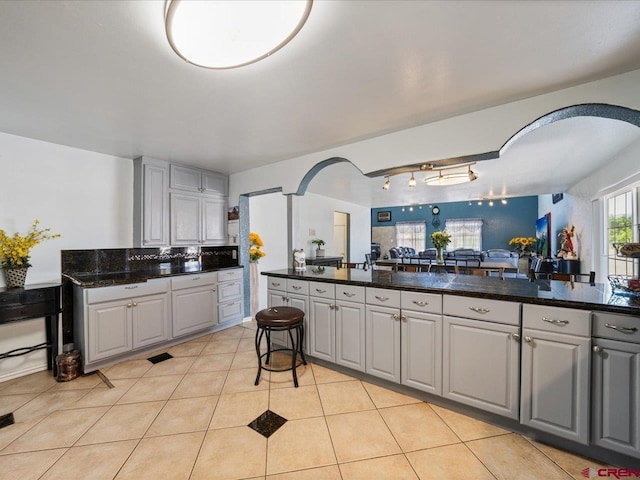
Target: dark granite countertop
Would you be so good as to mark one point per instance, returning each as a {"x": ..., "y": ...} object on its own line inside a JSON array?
[
  {"x": 107, "y": 279},
  {"x": 542, "y": 292}
]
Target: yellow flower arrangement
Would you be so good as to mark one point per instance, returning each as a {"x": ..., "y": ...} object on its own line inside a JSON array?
[
  {"x": 441, "y": 239},
  {"x": 15, "y": 251},
  {"x": 255, "y": 242},
  {"x": 524, "y": 245}
]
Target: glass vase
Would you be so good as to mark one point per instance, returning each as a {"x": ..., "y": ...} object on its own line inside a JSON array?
[{"x": 439, "y": 257}]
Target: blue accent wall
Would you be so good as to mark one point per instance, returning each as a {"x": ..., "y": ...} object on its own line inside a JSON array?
[{"x": 500, "y": 223}]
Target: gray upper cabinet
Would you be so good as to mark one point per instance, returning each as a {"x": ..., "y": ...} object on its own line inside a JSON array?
[
  {"x": 151, "y": 202},
  {"x": 198, "y": 219},
  {"x": 201, "y": 181}
]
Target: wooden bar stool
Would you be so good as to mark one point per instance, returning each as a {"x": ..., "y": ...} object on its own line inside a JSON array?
[{"x": 276, "y": 319}]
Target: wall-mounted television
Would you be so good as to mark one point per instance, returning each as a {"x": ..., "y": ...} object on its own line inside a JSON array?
[{"x": 543, "y": 236}]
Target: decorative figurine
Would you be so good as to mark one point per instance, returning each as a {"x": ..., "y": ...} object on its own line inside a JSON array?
[{"x": 299, "y": 260}]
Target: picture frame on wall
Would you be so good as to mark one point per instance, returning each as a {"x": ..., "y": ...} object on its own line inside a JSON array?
[
  {"x": 543, "y": 236},
  {"x": 384, "y": 216},
  {"x": 556, "y": 197}
]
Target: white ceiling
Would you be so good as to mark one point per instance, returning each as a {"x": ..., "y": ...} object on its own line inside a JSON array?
[{"x": 100, "y": 75}]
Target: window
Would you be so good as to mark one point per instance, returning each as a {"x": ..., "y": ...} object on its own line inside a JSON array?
[
  {"x": 411, "y": 234},
  {"x": 465, "y": 233},
  {"x": 621, "y": 225}
]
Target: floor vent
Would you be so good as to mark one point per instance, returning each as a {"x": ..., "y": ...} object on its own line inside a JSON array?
[{"x": 160, "y": 358}]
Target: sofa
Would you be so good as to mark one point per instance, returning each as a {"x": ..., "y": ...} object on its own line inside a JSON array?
[{"x": 499, "y": 255}]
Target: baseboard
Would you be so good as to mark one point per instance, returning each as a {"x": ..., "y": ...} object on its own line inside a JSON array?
[{"x": 22, "y": 372}]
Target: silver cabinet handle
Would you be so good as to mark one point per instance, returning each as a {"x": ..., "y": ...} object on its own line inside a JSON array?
[
  {"x": 621, "y": 329},
  {"x": 421, "y": 303},
  {"x": 320, "y": 291},
  {"x": 403, "y": 318},
  {"x": 331, "y": 307},
  {"x": 135, "y": 304},
  {"x": 382, "y": 299},
  {"x": 337, "y": 307},
  {"x": 348, "y": 294},
  {"x": 515, "y": 336},
  {"x": 284, "y": 299},
  {"x": 274, "y": 284},
  {"x": 129, "y": 305},
  {"x": 396, "y": 316},
  {"x": 131, "y": 287},
  {"x": 195, "y": 278},
  {"x": 528, "y": 339},
  {"x": 554, "y": 321},
  {"x": 597, "y": 348},
  {"x": 296, "y": 287},
  {"x": 480, "y": 310}
]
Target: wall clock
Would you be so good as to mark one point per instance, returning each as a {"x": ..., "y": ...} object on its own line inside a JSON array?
[{"x": 436, "y": 216}]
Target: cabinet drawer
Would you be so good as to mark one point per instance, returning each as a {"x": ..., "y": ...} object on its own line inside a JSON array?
[
  {"x": 37, "y": 296},
  {"x": 19, "y": 312},
  {"x": 229, "y": 311},
  {"x": 616, "y": 327},
  {"x": 300, "y": 287},
  {"x": 482, "y": 309},
  {"x": 422, "y": 302},
  {"x": 350, "y": 293},
  {"x": 276, "y": 283},
  {"x": 557, "y": 319},
  {"x": 228, "y": 291},
  {"x": 116, "y": 292},
  {"x": 195, "y": 280},
  {"x": 229, "y": 275},
  {"x": 381, "y": 296},
  {"x": 322, "y": 290}
]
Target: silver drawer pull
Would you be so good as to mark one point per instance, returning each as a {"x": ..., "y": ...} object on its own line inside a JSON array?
[
  {"x": 515, "y": 336},
  {"x": 195, "y": 278},
  {"x": 597, "y": 348},
  {"x": 554, "y": 321},
  {"x": 528, "y": 339},
  {"x": 621, "y": 329},
  {"x": 131, "y": 287},
  {"x": 421, "y": 303},
  {"x": 319, "y": 290},
  {"x": 349, "y": 294},
  {"x": 480, "y": 310},
  {"x": 274, "y": 284},
  {"x": 382, "y": 299},
  {"x": 296, "y": 287}
]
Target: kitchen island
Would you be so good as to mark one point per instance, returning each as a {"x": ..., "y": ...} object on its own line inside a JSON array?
[{"x": 555, "y": 360}]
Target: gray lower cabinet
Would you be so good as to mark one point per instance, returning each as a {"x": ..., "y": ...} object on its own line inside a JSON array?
[
  {"x": 350, "y": 334},
  {"x": 322, "y": 328},
  {"x": 421, "y": 348},
  {"x": 383, "y": 342},
  {"x": 194, "y": 303},
  {"x": 109, "y": 330},
  {"x": 279, "y": 293},
  {"x": 555, "y": 371}
]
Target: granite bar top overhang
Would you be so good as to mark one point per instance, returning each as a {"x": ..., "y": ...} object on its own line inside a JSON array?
[{"x": 543, "y": 292}]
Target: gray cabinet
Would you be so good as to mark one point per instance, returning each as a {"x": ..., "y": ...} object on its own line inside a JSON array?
[
  {"x": 289, "y": 293},
  {"x": 322, "y": 328},
  {"x": 383, "y": 342},
  {"x": 350, "y": 334},
  {"x": 555, "y": 371},
  {"x": 196, "y": 180},
  {"x": 150, "y": 320},
  {"x": 230, "y": 290},
  {"x": 194, "y": 303},
  {"x": 198, "y": 219},
  {"x": 150, "y": 202},
  {"x": 109, "y": 330}
]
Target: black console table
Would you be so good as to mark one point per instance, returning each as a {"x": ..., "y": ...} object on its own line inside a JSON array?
[
  {"x": 325, "y": 261},
  {"x": 33, "y": 301}
]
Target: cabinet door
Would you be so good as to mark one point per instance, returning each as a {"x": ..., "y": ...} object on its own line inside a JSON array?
[
  {"x": 214, "y": 220},
  {"x": 382, "y": 357},
  {"x": 302, "y": 302},
  {"x": 480, "y": 364},
  {"x": 186, "y": 178},
  {"x": 322, "y": 328},
  {"x": 421, "y": 347},
  {"x": 228, "y": 291},
  {"x": 194, "y": 309},
  {"x": 155, "y": 213},
  {"x": 616, "y": 396},
  {"x": 350, "y": 335},
  {"x": 150, "y": 320},
  {"x": 215, "y": 183},
  {"x": 555, "y": 384},
  {"x": 276, "y": 298},
  {"x": 185, "y": 219},
  {"x": 109, "y": 328}
]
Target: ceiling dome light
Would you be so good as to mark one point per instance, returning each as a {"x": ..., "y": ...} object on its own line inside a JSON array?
[{"x": 229, "y": 34}]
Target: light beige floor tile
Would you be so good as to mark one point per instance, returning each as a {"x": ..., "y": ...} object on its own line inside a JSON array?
[
  {"x": 183, "y": 416},
  {"x": 410, "y": 424},
  {"x": 395, "y": 466},
  {"x": 238, "y": 409},
  {"x": 79, "y": 383},
  {"x": 150, "y": 389},
  {"x": 212, "y": 363},
  {"x": 248, "y": 344},
  {"x": 511, "y": 457},
  {"x": 322, "y": 473},
  {"x": 465, "y": 427},
  {"x": 163, "y": 457},
  {"x": 201, "y": 339},
  {"x": 203, "y": 384},
  {"x": 45, "y": 403},
  {"x": 10, "y": 403},
  {"x": 9, "y": 433},
  {"x": 186, "y": 349},
  {"x": 450, "y": 461},
  {"x": 243, "y": 381},
  {"x": 128, "y": 369},
  {"x": 228, "y": 333},
  {"x": 33, "y": 383},
  {"x": 60, "y": 429},
  {"x": 214, "y": 347},
  {"x": 28, "y": 466},
  {"x": 105, "y": 396},
  {"x": 285, "y": 379},
  {"x": 230, "y": 454},
  {"x": 122, "y": 422},
  {"x": 344, "y": 397},
  {"x": 173, "y": 366},
  {"x": 383, "y": 397},
  {"x": 286, "y": 452},
  {"x": 360, "y": 435},
  {"x": 326, "y": 375},
  {"x": 293, "y": 403},
  {"x": 245, "y": 359},
  {"x": 571, "y": 463},
  {"x": 91, "y": 462}
]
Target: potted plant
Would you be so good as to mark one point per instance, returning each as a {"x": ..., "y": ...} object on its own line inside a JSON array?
[{"x": 319, "y": 244}]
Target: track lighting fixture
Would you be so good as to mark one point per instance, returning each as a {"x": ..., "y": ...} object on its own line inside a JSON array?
[
  {"x": 387, "y": 184},
  {"x": 412, "y": 181}
]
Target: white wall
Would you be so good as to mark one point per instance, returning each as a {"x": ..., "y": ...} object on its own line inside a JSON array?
[
  {"x": 268, "y": 218},
  {"x": 85, "y": 196},
  {"x": 315, "y": 212}
]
